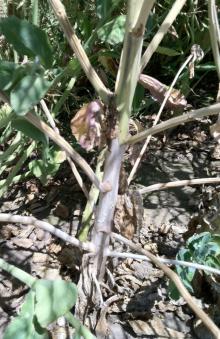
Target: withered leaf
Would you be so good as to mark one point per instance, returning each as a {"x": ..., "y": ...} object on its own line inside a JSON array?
[{"x": 86, "y": 125}]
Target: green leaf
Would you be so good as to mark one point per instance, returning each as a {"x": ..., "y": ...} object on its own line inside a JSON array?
[
  {"x": 6, "y": 115},
  {"x": 28, "y": 129},
  {"x": 22, "y": 327},
  {"x": 27, "y": 309},
  {"x": 7, "y": 71},
  {"x": 186, "y": 273},
  {"x": 212, "y": 261},
  {"x": 113, "y": 31},
  {"x": 167, "y": 51},
  {"x": 53, "y": 299},
  {"x": 102, "y": 8},
  {"x": 105, "y": 7},
  {"x": 173, "y": 291},
  {"x": 28, "y": 92},
  {"x": 56, "y": 156},
  {"x": 37, "y": 167},
  {"x": 43, "y": 170},
  {"x": 27, "y": 39}
]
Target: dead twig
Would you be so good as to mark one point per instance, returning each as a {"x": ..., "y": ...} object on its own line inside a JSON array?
[
  {"x": 71, "y": 163},
  {"x": 116, "y": 254},
  {"x": 167, "y": 95},
  {"x": 76, "y": 46},
  {"x": 176, "y": 280},
  {"x": 60, "y": 141},
  {"x": 163, "y": 126},
  {"x": 179, "y": 183},
  {"x": 6, "y": 217},
  {"x": 168, "y": 21}
]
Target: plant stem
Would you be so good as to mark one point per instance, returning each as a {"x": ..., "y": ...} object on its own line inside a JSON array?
[
  {"x": 81, "y": 330},
  {"x": 168, "y": 21},
  {"x": 17, "y": 273},
  {"x": 134, "y": 169},
  {"x": 76, "y": 46},
  {"x": 180, "y": 183},
  {"x": 164, "y": 260},
  {"x": 93, "y": 197},
  {"x": 129, "y": 66},
  {"x": 213, "y": 31},
  {"x": 5, "y": 217},
  {"x": 60, "y": 141},
  {"x": 176, "y": 280},
  {"x": 71, "y": 163},
  {"x": 16, "y": 168},
  {"x": 163, "y": 126}
]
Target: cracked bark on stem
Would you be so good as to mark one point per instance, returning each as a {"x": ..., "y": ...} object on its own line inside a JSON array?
[
  {"x": 163, "y": 126},
  {"x": 71, "y": 163},
  {"x": 6, "y": 217},
  {"x": 168, "y": 21},
  {"x": 125, "y": 87},
  {"x": 76, "y": 46},
  {"x": 105, "y": 211},
  {"x": 176, "y": 280},
  {"x": 180, "y": 183}
]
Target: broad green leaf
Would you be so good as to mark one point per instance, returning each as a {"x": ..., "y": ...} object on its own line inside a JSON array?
[
  {"x": 113, "y": 31},
  {"x": 196, "y": 240},
  {"x": 27, "y": 309},
  {"x": 28, "y": 129},
  {"x": 43, "y": 170},
  {"x": 56, "y": 156},
  {"x": 53, "y": 299},
  {"x": 186, "y": 273},
  {"x": 27, "y": 39},
  {"x": 28, "y": 92},
  {"x": 22, "y": 327},
  {"x": 37, "y": 167},
  {"x": 7, "y": 71}
]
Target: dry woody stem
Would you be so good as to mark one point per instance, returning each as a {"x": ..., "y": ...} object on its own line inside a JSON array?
[
  {"x": 76, "y": 46},
  {"x": 180, "y": 183},
  {"x": 175, "y": 278},
  {"x": 163, "y": 126}
]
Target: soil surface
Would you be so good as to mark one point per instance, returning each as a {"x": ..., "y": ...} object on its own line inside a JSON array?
[{"x": 138, "y": 305}]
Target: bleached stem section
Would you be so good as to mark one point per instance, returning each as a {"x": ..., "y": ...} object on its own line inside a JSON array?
[
  {"x": 166, "y": 261},
  {"x": 168, "y": 21},
  {"x": 137, "y": 162},
  {"x": 76, "y": 46},
  {"x": 6, "y": 217},
  {"x": 180, "y": 183},
  {"x": 129, "y": 67},
  {"x": 64, "y": 145},
  {"x": 71, "y": 163},
  {"x": 163, "y": 126}
]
